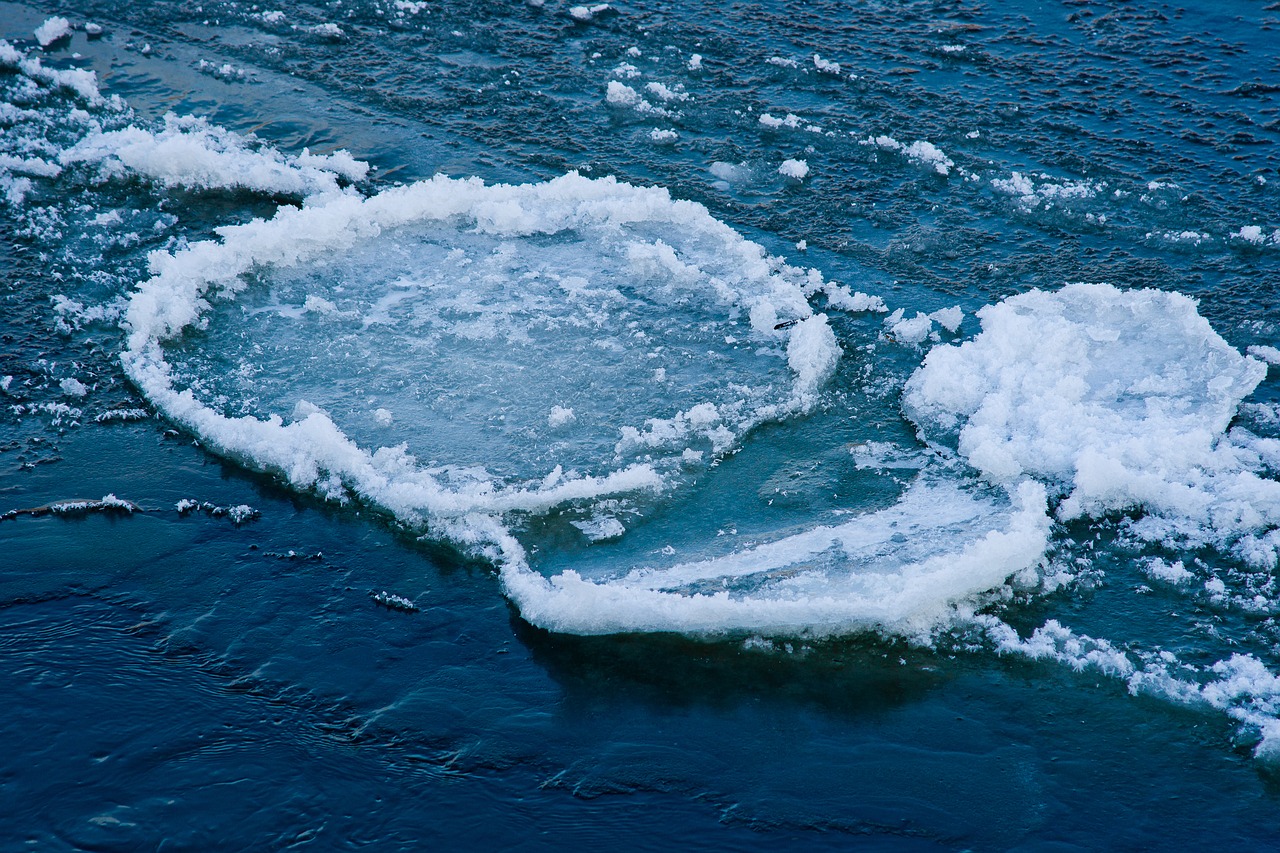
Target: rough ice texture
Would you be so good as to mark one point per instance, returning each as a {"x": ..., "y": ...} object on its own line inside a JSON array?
[
  {"x": 919, "y": 152},
  {"x": 52, "y": 29},
  {"x": 1119, "y": 399},
  {"x": 797, "y": 169},
  {"x": 190, "y": 152},
  {"x": 1240, "y": 686}
]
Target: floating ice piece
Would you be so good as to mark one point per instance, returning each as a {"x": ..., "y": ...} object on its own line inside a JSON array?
[
  {"x": 666, "y": 93},
  {"x": 737, "y": 283},
  {"x": 73, "y": 387},
  {"x": 327, "y": 30},
  {"x": 772, "y": 121},
  {"x": 600, "y": 528},
  {"x": 1120, "y": 399},
  {"x": 1254, "y": 234},
  {"x": 1270, "y": 355},
  {"x": 797, "y": 169},
  {"x": 826, "y": 66},
  {"x": 52, "y": 30},
  {"x": 915, "y": 330},
  {"x": 391, "y": 601},
  {"x": 108, "y": 503},
  {"x": 584, "y": 14},
  {"x": 190, "y": 152},
  {"x": 1047, "y": 191},
  {"x": 238, "y": 514},
  {"x": 622, "y": 95}
]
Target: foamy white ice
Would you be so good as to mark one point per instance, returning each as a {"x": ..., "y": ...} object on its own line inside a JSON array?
[
  {"x": 1119, "y": 399},
  {"x": 191, "y": 152},
  {"x": 313, "y": 452}
]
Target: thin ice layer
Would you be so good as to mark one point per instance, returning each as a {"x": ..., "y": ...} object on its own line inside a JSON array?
[
  {"x": 502, "y": 291},
  {"x": 1121, "y": 399},
  {"x": 936, "y": 556}
]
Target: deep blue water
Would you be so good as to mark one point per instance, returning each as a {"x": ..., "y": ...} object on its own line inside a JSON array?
[{"x": 181, "y": 681}]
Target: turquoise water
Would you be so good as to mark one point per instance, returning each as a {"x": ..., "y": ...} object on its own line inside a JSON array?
[{"x": 182, "y": 678}]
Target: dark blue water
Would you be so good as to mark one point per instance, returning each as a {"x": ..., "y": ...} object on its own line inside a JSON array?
[{"x": 183, "y": 681}]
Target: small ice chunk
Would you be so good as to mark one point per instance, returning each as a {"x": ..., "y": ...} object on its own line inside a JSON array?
[
  {"x": 843, "y": 299},
  {"x": 911, "y": 330},
  {"x": 92, "y": 30},
  {"x": 1250, "y": 234},
  {"x": 797, "y": 169},
  {"x": 586, "y": 13},
  {"x": 73, "y": 387},
  {"x": 695, "y": 63},
  {"x": 599, "y": 528},
  {"x": 825, "y": 66},
  {"x": 327, "y": 30},
  {"x": 665, "y": 93},
  {"x": 52, "y": 30},
  {"x": 1174, "y": 573},
  {"x": 622, "y": 95},
  {"x": 949, "y": 318},
  {"x": 383, "y": 416},
  {"x": 560, "y": 415},
  {"x": 663, "y": 136},
  {"x": 319, "y": 305}
]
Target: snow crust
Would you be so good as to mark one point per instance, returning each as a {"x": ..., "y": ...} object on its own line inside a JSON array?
[{"x": 797, "y": 169}]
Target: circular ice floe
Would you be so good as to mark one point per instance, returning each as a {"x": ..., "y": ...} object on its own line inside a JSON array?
[
  {"x": 415, "y": 347},
  {"x": 475, "y": 314}
]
